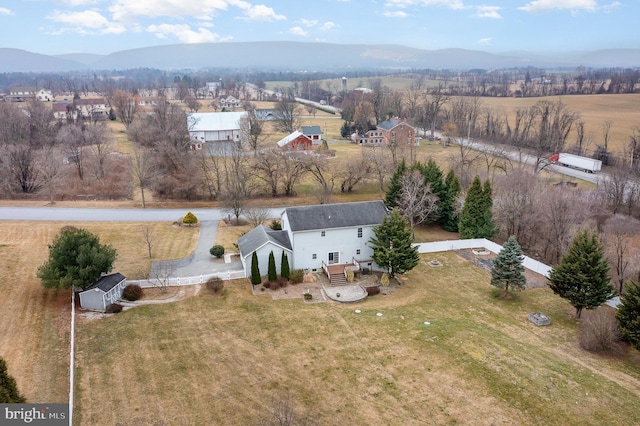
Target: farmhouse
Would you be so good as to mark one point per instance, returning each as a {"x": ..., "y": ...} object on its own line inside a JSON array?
[
  {"x": 392, "y": 131},
  {"x": 330, "y": 237},
  {"x": 216, "y": 128},
  {"x": 104, "y": 292},
  {"x": 295, "y": 141}
]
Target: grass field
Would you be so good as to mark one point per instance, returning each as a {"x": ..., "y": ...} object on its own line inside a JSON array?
[
  {"x": 35, "y": 321},
  {"x": 220, "y": 359}
]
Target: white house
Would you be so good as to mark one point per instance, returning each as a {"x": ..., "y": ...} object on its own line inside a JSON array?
[
  {"x": 325, "y": 237},
  {"x": 104, "y": 292},
  {"x": 44, "y": 95},
  {"x": 262, "y": 241},
  {"x": 215, "y": 127}
]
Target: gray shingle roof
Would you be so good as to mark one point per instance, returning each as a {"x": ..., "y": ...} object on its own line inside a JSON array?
[
  {"x": 388, "y": 124},
  {"x": 107, "y": 282},
  {"x": 328, "y": 216},
  {"x": 311, "y": 130},
  {"x": 260, "y": 235}
]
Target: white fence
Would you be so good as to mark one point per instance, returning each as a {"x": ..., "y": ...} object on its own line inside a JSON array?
[
  {"x": 180, "y": 281},
  {"x": 452, "y": 245}
]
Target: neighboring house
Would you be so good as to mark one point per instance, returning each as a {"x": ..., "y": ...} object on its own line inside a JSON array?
[
  {"x": 263, "y": 240},
  {"x": 390, "y": 132},
  {"x": 147, "y": 101},
  {"x": 21, "y": 94},
  {"x": 64, "y": 110},
  {"x": 104, "y": 292},
  {"x": 95, "y": 108},
  {"x": 327, "y": 237},
  {"x": 313, "y": 133},
  {"x": 265, "y": 114},
  {"x": 296, "y": 141},
  {"x": 44, "y": 95},
  {"x": 230, "y": 102},
  {"x": 215, "y": 128}
]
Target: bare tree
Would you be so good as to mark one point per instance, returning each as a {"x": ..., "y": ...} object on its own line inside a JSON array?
[
  {"x": 432, "y": 106},
  {"x": 256, "y": 215},
  {"x": 619, "y": 230},
  {"x": 251, "y": 129},
  {"x": 125, "y": 105},
  {"x": 380, "y": 162},
  {"x": 323, "y": 173},
  {"x": 148, "y": 238},
  {"x": 353, "y": 171},
  {"x": 50, "y": 164},
  {"x": 192, "y": 103},
  {"x": 291, "y": 171},
  {"x": 286, "y": 114},
  {"x": 161, "y": 272},
  {"x": 144, "y": 171},
  {"x": 417, "y": 201},
  {"x": 267, "y": 166}
]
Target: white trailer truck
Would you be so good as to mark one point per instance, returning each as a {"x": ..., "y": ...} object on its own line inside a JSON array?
[{"x": 589, "y": 165}]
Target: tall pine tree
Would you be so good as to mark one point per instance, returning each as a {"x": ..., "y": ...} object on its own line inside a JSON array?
[
  {"x": 391, "y": 245},
  {"x": 582, "y": 277},
  {"x": 433, "y": 175},
  {"x": 8, "y": 389},
  {"x": 629, "y": 314},
  {"x": 395, "y": 186},
  {"x": 255, "y": 270},
  {"x": 448, "y": 211},
  {"x": 507, "y": 268},
  {"x": 284, "y": 266},
  {"x": 272, "y": 274},
  {"x": 475, "y": 219}
]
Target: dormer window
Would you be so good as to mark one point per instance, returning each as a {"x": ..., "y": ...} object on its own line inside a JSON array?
[{"x": 323, "y": 233}]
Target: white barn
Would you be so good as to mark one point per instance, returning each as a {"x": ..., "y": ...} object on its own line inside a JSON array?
[
  {"x": 212, "y": 127},
  {"x": 104, "y": 292}
]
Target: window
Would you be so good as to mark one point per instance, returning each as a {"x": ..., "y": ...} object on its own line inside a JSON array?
[
  {"x": 323, "y": 233},
  {"x": 359, "y": 232},
  {"x": 357, "y": 251},
  {"x": 314, "y": 256}
]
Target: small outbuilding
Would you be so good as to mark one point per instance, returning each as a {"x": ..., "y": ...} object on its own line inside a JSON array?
[{"x": 104, "y": 292}]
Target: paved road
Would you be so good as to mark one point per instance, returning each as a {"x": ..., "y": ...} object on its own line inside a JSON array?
[{"x": 112, "y": 215}]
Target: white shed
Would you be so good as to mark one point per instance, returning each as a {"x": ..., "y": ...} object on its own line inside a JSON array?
[{"x": 104, "y": 292}]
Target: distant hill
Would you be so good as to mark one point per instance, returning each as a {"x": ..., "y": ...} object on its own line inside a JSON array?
[
  {"x": 16, "y": 60},
  {"x": 306, "y": 56}
]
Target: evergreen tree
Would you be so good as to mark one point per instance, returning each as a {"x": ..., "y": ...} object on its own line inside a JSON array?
[
  {"x": 392, "y": 245},
  {"x": 582, "y": 277},
  {"x": 284, "y": 266},
  {"x": 395, "y": 186},
  {"x": 433, "y": 175},
  {"x": 475, "y": 218},
  {"x": 76, "y": 258},
  {"x": 507, "y": 268},
  {"x": 8, "y": 388},
  {"x": 272, "y": 275},
  {"x": 255, "y": 270},
  {"x": 629, "y": 313},
  {"x": 449, "y": 217}
]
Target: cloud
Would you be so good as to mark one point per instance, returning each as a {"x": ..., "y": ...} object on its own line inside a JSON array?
[
  {"x": 327, "y": 26},
  {"x": 541, "y": 6},
  {"x": 85, "y": 22},
  {"x": 184, "y": 33},
  {"x": 491, "y": 12},
  {"x": 128, "y": 10},
  {"x": 75, "y": 3},
  {"x": 452, "y": 4},
  {"x": 395, "y": 14},
  {"x": 484, "y": 41},
  {"x": 5, "y": 11},
  {"x": 298, "y": 31},
  {"x": 308, "y": 23},
  {"x": 262, "y": 13}
]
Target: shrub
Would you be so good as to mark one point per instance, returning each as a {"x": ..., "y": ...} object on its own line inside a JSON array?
[
  {"x": 275, "y": 225},
  {"x": 384, "y": 280},
  {"x": 282, "y": 281},
  {"x": 132, "y": 292},
  {"x": 599, "y": 332},
  {"x": 350, "y": 275},
  {"x": 296, "y": 276},
  {"x": 215, "y": 284},
  {"x": 189, "y": 219},
  {"x": 274, "y": 285},
  {"x": 372, "y": 291},
  {"x": 307, "y": 296},
  {"x": 114, "y": 308},
  {"x": 267, "y": 285},
  {"x": 217, "y": 251}
]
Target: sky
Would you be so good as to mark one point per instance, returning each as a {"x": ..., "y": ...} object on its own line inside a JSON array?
[{"x": 499, "y": 26}]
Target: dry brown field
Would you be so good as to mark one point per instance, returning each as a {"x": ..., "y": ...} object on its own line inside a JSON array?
[
  {"x": 212, "y": 359},
  {"x": 35, "y": 321}
]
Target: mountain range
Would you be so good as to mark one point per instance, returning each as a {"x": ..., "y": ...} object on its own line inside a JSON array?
[{"x": 292, "y": 56}]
